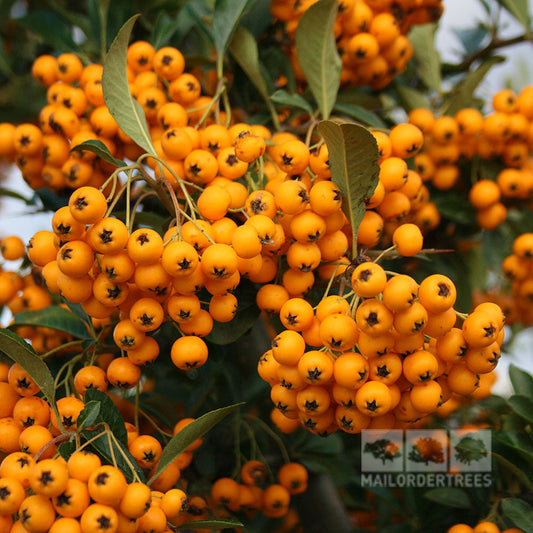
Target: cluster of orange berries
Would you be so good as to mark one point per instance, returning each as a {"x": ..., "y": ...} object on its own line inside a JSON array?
[
  {"x": 482, "y": 527},
  {"x": 255, "y": 494},
  {"x": 506, "y": 134},
  {"x": 517, "y": 267},
  {"x": 371, "y": 35},
  {"x": 42, "y": 489},
  {"x": 386, "y": 354}
]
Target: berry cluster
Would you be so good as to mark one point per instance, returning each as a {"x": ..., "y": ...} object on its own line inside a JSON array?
[
  {"x": 254, "y": 493},
  {"x": 387, "y": 353},
  {"x": 504, "y": 135},
  {"x": 371, "y": 35}
]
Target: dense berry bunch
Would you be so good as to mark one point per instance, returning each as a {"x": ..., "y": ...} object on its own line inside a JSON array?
[
  {"x": 482, "y": 527},
  {"x": 503, "y": 136},
  {"x": 387, "y": 353},
  {"x": 371, "y": 35}
]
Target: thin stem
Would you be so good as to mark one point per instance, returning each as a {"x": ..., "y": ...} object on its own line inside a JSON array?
[
  {"x": 266, "y": 428},
  {"x": 330, "y": 282},
  {"x": 60, "y": 438},
  {"x": 59, "y": 348},
  {"x": 124, "y": 456},
  {"x": 136, "y": 414},
  {"x": 129, "y": 223},
  {"x": 221, "y": 87}
]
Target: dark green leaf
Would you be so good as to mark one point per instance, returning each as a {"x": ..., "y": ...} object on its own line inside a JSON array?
[
  {"x": 521, "y": 380},
  {"x": 54, "y": 317},
  {"x": 451, "y": 497},
  {"x": 246, "y": 316},
  {"x": 164, "y": 29},
  {"x": 226, "y": 19},
  {"x": 360, "y": 114},
  {"x": 125, "y": 109},
  {"x": 520, "y": 11},
  {"x": 353, "y": 157},
  {"x": 455, "y": 208},
  {"x": 103, "y": 13},
  {"x": 5, "y": 67},
  {"x": 66, "y": 449},
  {"x": 472, "y": 38},
  {"x": 109, "y": 413},
  {"x": 210, "y": 524},
  {"x": 519, "y": 513},
  {"x": 89, "y": 414},
  {"x": 100, "y": 149},
  {"x": 109, "y": 449},
  {"x": 522, "y": 405},
  {"x": 182, "y": 440},
  {"x": 17, "y": 196},
  {"x": 22, "y": 353},
  {"x": 410, "y": 98},
  {"x": 284, "y": 98},
  {"x": 50, "y": 200},
  {"x": 52, "y": 28},
  {"x": 426, "y": 56},
  {"x": 317, "y": 53},
  {"x": 243, "y": 48},
  {"x": 463, "y": 93}
]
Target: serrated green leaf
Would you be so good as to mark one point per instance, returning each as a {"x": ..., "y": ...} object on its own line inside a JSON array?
[
  {"x": 463, "y": 93},
  {"x": 210, "y": 524},
  {"x": 226, "y": 18},
  {"x": 100, "y": 149},
  {"x": 520, "y": 11},
  {"x": 353, "y": 158},
  {"x": 425, "y": 53},
  {"x": 360, "y": 114},
  {"x": 182, "y": 440},
  {"x": 522, "y": 381},
  {"x": 109, "y": 413},
  {"x": 243, "y": 48},
  {"x": 451, "y": 497},
  {"x": 282, "y": 97},
  {"x": 22, "y": 353},
  {"x": 519, "y": 512},
  {"x": 317, "y": 53},
  {"x": 522, "y": 405},
  {"x": 89, "y": 414},
  {"x": 410, "y": 98},
  {"x": 123, "y": 107},
  {"x": 54, "y": 317}
]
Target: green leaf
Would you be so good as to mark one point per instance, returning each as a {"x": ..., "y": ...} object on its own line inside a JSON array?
[
  {"x": 22, "y": 353},
  {"x": 520, "y": 11},
  {"x": 51, "y": 27},
  {"x": 110, "y": 449},
  {"x": 123, "y": 107},
  {"x": 210, "y": 524},
  {"x": 317, "y": 53},
  {"x": 353, "y": 157},
  {"x": 54, "y": 317},
  {"x": 425, "y": 53},
  {"x": 163, "y": 30},
  {"x": 109, "y": 413},
  {"x": 182, "y": 440},
  {"x": 245, "y": 317},
  {"x": 522, "y": 381},
  {"x": 451, "y": 497},
  {"x": 284, "y": 98},
  {"x": 522, "y": 405},
  {"x": 89, "y": 414},
  {"x": 410, "y": 98},
  {"x": 463, "y": 93},
  {"x": 226, "y": 18},
  {"x": 360, "y": 114},
  {"x": 66, "y": 449},
  {"x": 243, "y": 48},
  {"x": 519, "y": 513},
  {"x": 100, "y": 149}
]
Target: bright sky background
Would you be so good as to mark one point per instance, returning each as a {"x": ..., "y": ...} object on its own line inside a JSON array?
[{"x": 458, "y": 14}]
